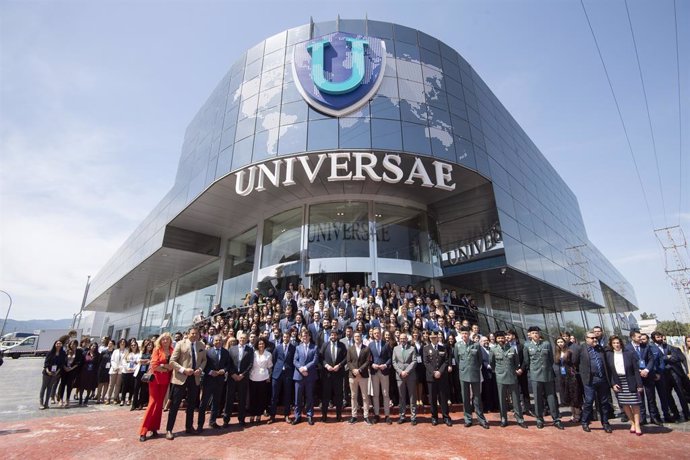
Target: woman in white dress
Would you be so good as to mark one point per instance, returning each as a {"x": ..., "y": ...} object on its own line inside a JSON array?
[{"x": 259, "y": 381}]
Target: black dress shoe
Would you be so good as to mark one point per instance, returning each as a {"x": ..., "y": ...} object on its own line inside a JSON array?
[
  {"x": 142, "y": 438},
  {"x": 169, "y": 435},
  {"x": 352, "y": 420},
  {"x": 608, "y": 429},
  {"x": 154, "y": 434},
  {"x": 644, "y": 422},
  {"x": 468, "y": 424},
  {"x": 448, "y": 422},
  {"x": 199, "y": 430},
  {"x": 540, "y": 424},
  {"x": 504, "y": 423},
  {"x": 484, "y": 425},
  {"x": 241, "y": 423},
  {"x": 657, "y": 422},
  {"x": 190, "y": 431},
  {"x": 338, "y": 418},
  {"x": 413, "y": 422},
  {"x": 310, "y": 420},
  {"x": 388, "y": 420},
  {"x": 295, "y": 421},
  {"x": 434, "y": 422},
  {"x": 214, "y": 425},
  {"x": 367, "y": 421},
  {"x": 324, "y": 419},
  {"x": 401, "y": 420},
  {"x": 624, "y": 418},
  {"x": 558, "y": 424},
  {"x": 586, "y": 428},
  {"x": 522, "y": 425},
  {"x": 226, "y": 423}
]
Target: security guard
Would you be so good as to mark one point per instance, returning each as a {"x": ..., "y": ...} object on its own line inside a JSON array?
[
  {"x": 506, "y": 365},
  {"x": 538, "y": 358}
]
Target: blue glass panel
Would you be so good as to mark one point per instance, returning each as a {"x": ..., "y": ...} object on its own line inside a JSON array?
[
  {"x": 414, "y": 112},
  {"x": 379, "y": 29},
  {"x": 406, "y": 52},
  {"x": 251, "y": 87},
  {"x": 439, "y": 118},
  {"x": 430, "y": 59},
  {"x": 255, "y": 52},
  {"x": 248, "y": 107},
  {"x": 383, "y": 107},
  {"x": 290, "y": 93},
  {"x": 293, "y": 139},
  {"x": 416, "y": 138},
  {"x": 227, "y": 138},
  {"x": 245, "y": 128},
  {"x": 298, "y": 34},
  {"x": 270, "y": 98},
  {"x": 355, "y": 133},
  {"x": 268, "y": 119},
  {"x": 353, "y": 26},
  {"x": 410, "y": 70},
  {"x": 265, "y": 145},
  {"x": 428, "y": 42},
  {"x": 464, "y": 152},
  {"x": 405, "y": 34},
  {"x": 224, "y": 162},
  {"x": 389, "y": 87},
  {"x": 386, "y": 134},
  {"x": 411, "y": 91},
  {"x": 461, "y": 127},
  {"x": 253, "y": 70},
  {"x": 323, "y": 134},
  {"x": 275, "y": 59},
  {"x": 442, "y": 145},
  {"x": 324, "y": 28},
  {"x": 315, "y": 115},
  {"x": 295, "y": 112},
  {"x": 275, "y": 42},
  {"x": 242, "y": 154}
]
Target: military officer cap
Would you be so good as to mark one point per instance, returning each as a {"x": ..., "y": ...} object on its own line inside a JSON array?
[
  {"x": 534, "y": 329},
  {"x": 499, "y": 334}
]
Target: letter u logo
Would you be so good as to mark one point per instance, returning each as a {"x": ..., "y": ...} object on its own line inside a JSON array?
[{"x": 356, "y": 75}]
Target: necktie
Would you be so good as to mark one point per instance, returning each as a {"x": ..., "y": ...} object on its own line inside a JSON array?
[
  {"x": 218, "y": 354},
  {"x": 333, "y": 351},
  {"x": 404, "y": 350},
  {"x": 597, "y": 361},
  {"x": 239, "y": 355},
  {"x": 378, "y": 348},
  {"x": 193, "y": 356}
]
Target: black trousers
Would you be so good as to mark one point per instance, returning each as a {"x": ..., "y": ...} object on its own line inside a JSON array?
[
  {"x": 141, "y": 391},
  {"x": 212, "y": 393},
  {"x": 240, "y": 390},
  {"x": 438, "y": 390},
  {"x": 650, "y": 395},
  {"x": 332, "y": 390},
  {"x": 188, "y": 391},
  {"x": 674, "y": 382},
  {"x": 281, "y": 386}
]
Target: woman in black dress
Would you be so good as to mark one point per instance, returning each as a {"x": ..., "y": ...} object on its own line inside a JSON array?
[
  {"x": 419, "y": 368},
  {"x": 104, "y": 372},
  {"x": 570, "y": 384},
  {"x": 88, "y": 375}
]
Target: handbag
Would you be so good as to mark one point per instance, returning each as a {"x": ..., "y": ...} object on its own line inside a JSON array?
[{"x": 148, "y": 377}]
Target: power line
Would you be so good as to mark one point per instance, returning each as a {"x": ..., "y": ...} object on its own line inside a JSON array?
[
  {"x": 680, "y": 122},
  {"x": 649, "y": 117},
  {"x": 620, "y": 114}
]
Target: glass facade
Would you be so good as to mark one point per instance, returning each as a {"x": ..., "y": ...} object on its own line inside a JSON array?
[
  {"x": 431, "y": 103},
  {"x": 238, "y": 268}
]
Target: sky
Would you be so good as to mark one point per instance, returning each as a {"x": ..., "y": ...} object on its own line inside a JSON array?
[{"x": 95, "y": 98}]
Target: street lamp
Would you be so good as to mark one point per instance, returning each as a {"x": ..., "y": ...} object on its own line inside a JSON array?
[{"x": 2, "y": 330}]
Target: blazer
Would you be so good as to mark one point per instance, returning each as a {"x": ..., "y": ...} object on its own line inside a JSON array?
[
  {"x": 674, "y": 359},
  {"x": 216, "y": 363},
  {"x": 436, "y": 360},
  {"x": 384, "y": 357},
  {"x": 405, "y": 360},
  {"x": 505, "y": 362},
  {"x": 645, "y": 355},
  {"x": 360, "y": 362},
  {"x": 244, "y": 366},
  {"x": 584, "y": 365},
  {"x": 285, "y": 324},
  {"x": 340, "y": 358},
  {"x": 57, "y": 359},
  {"x": 469, "y": 361},
  {"x": 283, "y": 360},
  {"x": 182, "y": 358},
  {"x": 632, "y": 369},
  {"x": 157, "y": 358},
  {"x": 308, "y": 359},
  {"x": 538, "y": 360}
]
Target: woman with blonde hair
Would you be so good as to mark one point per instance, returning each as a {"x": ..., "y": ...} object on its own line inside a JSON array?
[{"x": 158, "y": 385}]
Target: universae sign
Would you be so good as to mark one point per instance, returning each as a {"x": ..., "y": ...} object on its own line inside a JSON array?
[{"x": 338, "y": 73}]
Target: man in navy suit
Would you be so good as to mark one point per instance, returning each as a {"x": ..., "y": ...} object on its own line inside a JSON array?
[
  {"x": 645, "y": 360},
  {"x": 333, "y": 359},
  {"x": 281, "y": 377},
  {"x": 241, "y": 361},
  {"x": 382, "y": 356},
  {"x": 305, "y": 375},
  {"x": 217, "y": 363}
]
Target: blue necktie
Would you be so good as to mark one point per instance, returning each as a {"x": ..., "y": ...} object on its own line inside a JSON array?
[
  {"x": 597, "y": 361},
  {"x": 193, "y": 357}
]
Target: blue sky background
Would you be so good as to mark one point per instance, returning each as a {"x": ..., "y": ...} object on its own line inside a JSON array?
[{"x": 95, "y": 98}]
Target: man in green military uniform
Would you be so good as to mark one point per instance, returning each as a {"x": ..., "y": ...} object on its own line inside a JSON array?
[
  {"x": 468, "y": 357},
  {"x": 538, "y": 358},
  {"x": 506, "y": 365}
]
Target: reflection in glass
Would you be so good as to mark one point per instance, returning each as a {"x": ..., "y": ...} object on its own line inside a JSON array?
[
  {"x": 195, "y": 292},
  {"x": 386, "y": 134},
  {"x": 239, "y": 264},
  {"x": 402, "y": 233},
  {"x": 281, "y": 238},
  {"x": 293, "y": 139},
  {"x": 323, "y": 134},
  {"x": 339, "y": 230},
  {"x": 355, "y": 133},
  {"x": 416, "y": 138}
]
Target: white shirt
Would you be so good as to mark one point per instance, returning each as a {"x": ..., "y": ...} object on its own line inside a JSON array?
[
  {"x": 618, "y": 362},
  {"x": 262, "y": 366},
  {"x": 116, "y": 361}
]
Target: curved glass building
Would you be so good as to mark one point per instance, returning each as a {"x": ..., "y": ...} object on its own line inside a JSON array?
[{"x": 364, "y": 151}]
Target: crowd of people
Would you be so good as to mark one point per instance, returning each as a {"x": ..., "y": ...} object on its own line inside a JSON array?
[{"x": 369, "y": 349}]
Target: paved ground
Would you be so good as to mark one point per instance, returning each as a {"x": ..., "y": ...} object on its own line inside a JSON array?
[{"x": 112, "y": 432}]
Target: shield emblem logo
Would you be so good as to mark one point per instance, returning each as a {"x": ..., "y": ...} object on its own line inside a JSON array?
[{"x": 338, "y": 73}]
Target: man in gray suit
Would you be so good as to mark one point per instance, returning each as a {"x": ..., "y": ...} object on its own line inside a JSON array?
[
  {"x": 538, "y": 358},
  {"x": 404, "y": 362},
  {"x": 468, "y": 357},
  {"x": 505, "y": 362}
]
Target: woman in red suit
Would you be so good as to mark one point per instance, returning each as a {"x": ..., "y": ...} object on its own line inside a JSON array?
[{"x": 160, "y": 364}]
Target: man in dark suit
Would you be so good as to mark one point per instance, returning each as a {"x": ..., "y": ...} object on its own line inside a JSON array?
[
  {"x": 188, "y": 360},
  {"x": 288, "y": 320},
  {"x": 358, "y": 358},
  {"x": 436, "y": 361},
  {"x": 305, "y": 376},
  {"x": 381, "y": 356},
  {"x": 241, "y": 361},
  {"x": 596, "y": 383},
  {"x": 674, "y": 376},
  {"x": 217, "y": 364},
  {"x": 333, "y": 356},
  {"x": 348, "y": 340},
  {"x": 645, "y": 359},
  {"x": 346, "y": 305},
  {"x": 281, "y": 376}
]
